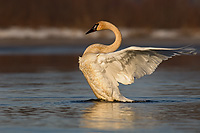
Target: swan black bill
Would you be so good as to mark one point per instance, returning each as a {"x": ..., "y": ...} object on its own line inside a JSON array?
[
  {"x": 93, "y": 29},
  {"x": 90, "y": 31}
]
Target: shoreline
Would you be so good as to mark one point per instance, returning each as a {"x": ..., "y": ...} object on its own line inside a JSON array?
[{"x": 87, "y": 41}]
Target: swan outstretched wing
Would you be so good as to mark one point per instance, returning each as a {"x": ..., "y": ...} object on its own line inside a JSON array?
[{"x": 135, "y": 62}]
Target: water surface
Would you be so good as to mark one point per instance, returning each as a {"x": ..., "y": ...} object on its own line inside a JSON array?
[
  {"x": 45, "y": 92},
  {"x": 60, "y": 102}
]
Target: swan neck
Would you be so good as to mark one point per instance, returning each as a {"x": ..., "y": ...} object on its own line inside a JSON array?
[
  {"x": 100, "y": 48},
  {"x": 118, "y": 39}
]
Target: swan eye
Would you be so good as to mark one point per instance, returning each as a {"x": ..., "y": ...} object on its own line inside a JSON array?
[
  {"x": 95, "y": 26},
  {"x": 93, "y": 29}
]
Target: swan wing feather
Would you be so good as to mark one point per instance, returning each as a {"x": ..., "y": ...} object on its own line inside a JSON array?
[{"x": 135, "y": 62}]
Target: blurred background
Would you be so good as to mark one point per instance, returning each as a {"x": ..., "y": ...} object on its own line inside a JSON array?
[
  {"x": 180, "y": 16},
  {"x": 45, "y": 32},
  {"x": 43, "y": 90},
  {"x": 171, "y": 14}
]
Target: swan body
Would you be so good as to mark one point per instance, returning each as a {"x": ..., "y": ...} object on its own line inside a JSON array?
[{"x": 104, "y": 69}]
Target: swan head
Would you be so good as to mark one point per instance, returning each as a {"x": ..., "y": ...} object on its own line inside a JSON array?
[
  {"x": 93, "y": 29},
  {"x": 101, "y": 25},
  {"x": 100, "y": 48}
]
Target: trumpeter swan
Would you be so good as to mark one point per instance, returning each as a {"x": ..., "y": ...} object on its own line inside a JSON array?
[{"x": 104, "y": 69}]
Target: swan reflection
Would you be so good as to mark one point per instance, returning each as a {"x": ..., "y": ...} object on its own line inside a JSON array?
[{"x": 103, "y": 115}]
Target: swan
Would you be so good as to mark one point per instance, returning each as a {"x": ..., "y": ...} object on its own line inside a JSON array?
[{"x": 104, "y": 69}]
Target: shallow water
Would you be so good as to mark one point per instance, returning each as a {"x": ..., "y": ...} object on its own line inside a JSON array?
[
  {"x": 60, "y": 102},
  {"x": 42, "y": 90}
]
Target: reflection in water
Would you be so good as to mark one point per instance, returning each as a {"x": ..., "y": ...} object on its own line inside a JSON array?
[
  {"x": 53, "y": 101},
  {"x": 110, "y": 116},
  {"x": 104, "y": 115}
]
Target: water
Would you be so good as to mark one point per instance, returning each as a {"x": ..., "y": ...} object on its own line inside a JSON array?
[{"x": 59, "y": 100}]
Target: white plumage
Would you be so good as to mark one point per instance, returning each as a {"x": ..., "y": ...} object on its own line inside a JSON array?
[{"x": 104, "y": 70}]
